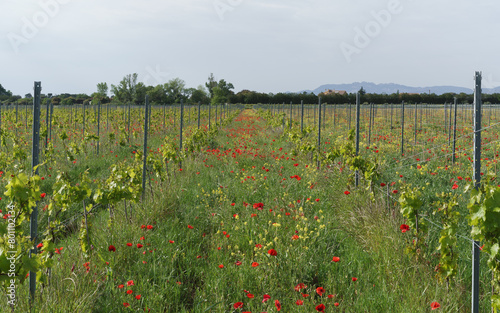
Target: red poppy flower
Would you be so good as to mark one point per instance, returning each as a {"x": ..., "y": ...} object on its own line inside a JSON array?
[
  {"x": 238, "y": 305},
  {"x": 238, "y": 263},
  {"x": 129, "y": 292},
  {"x": 111, "y": 248},
  {"x": 221, "y": 266},
  {"x": 171, "y": 241},
  {"x": 259, "y": 206},
  {"x": 299, "y": 302},
  {"x": 255, "y": 264},
  {"x": 320, "y": 291},
  {"x": 130, "y": 283},
  {"x": 121, "y": 286},
  {"x": 39, "y": 245},
  {"x": 320, "y": 307},
  {"x": 300, "y": 286},
  {"x": 43, "y": 195},
  {"x": 272, "y": 252},
  {"x": 266, "y": 297},
  {"x": 336, "y": 304},
  {"x": 251, "y": 296},
  {"x": 190, "y": 227},
  {"x": 139, "y": 245},
  {"x": 331, "y": 296},
  {"x": 149, "y": 227},
  {"x": 277, "y": 304},
  {"x": 347, "y": 192},
  {"x": 335, "y": 259},
  {"x": 354, "y": 279},
  {"x": 394, "y": 191},
  {"x": 125, "y": 304},
  {"x": 129, "y": 244},
  {"x": 382, "y": 184},
  {"x": 435, "y": 305},
  {"x": 404, "y": 228},
  {"x": 455, "y": 186}
]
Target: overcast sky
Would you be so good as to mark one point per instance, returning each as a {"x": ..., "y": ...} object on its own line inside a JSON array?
[{"x": 262, "y": 45}]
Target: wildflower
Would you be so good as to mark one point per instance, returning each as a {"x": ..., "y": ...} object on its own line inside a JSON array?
[
  {"x": 111, "y": 248},
  {"x": 266, "y": 297},
  {"x": 300, "y": 286},
  {"x": 272, "y": 252},
  {"x": 404, "y": 228},
  {"x": 320, "y": 307},
  {"x": 238, "y": 305},
  {"x": 435, "y": 305},
  {"x": 277, "y": 304},
  {"x": 335, "y": 259},
  {"x": 299, "y": 302},
  {"x": 320, "y": 291},
  {"x": 347, "y": 192}
]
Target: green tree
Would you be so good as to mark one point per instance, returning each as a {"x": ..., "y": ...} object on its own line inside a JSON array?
[
  {"x": 4, "y": 92},
  {"x": 211, "y": 84},
  {"x": 199, "y": 95},
  {"x": 222, "y": 92},
  {"x": 175, "y": 90},
  {"x": 126, "y": 89},
  {"x": 102, "y": 88},
  {"x": 158, "y": 94},
  {"x": 140, "y": 93},
  {"x": 56, "y": 100}
]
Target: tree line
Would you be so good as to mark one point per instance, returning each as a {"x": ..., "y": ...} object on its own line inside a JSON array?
[{"x": 129, "y": 90}]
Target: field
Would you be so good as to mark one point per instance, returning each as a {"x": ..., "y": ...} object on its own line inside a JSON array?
[{"x": 258, "y": 217}]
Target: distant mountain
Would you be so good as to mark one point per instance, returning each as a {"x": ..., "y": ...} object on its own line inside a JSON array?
[{"x": 393, "y": 88}]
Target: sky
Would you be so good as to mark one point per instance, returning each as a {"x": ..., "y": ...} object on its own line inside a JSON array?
[{"x": 262, "y": 45}]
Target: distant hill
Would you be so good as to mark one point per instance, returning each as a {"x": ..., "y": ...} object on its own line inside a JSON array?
[{"x": 393, "y": 88}]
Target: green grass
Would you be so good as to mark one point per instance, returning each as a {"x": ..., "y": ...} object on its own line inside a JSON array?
[{"x": 179, "y": 269}]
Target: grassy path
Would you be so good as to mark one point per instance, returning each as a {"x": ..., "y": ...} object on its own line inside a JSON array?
[{"x": 246, "y": 227}]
